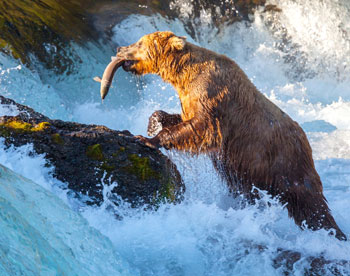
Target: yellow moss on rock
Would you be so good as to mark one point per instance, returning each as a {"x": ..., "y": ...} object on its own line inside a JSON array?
[
  {"x": 116, "y": 154},
  {"x": 20, "y": 126},
  {"x": 95, "y": 152},
  {"x": 41, "y": 126},
  {"x": 168, "y": 191},
  {"x": 140, "y": 166},
  {"x": 3, "y": 43},
  {"x": 57, "y": 139},
  {"x": 166, "y": 194},
  {"x": 27, "y": 25}
]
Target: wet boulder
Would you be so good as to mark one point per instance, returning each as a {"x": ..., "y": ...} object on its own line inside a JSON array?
[{"x": 89, "y": 157}]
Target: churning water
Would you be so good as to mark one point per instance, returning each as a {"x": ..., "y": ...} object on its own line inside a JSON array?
[{"x": 299, "y": 58}]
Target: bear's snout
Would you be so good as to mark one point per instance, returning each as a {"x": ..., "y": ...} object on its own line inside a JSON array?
[
  {"x": 125, "y": 52},
  {"x": 127, "y": 65}
]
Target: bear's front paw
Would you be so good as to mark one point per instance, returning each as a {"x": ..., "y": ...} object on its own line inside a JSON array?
[
  {"x": 155, "y": 123},
  {"x": 152, "y": 143}
]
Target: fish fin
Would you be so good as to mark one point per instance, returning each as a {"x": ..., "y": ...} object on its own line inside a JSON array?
[{"x": 98, "y": 79}]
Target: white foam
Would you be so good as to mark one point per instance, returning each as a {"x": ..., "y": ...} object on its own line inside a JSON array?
[
  {"x": 8, "y": 110},
  {"x": 320, "y": 30},
  {"x": 331, "y": 145}
]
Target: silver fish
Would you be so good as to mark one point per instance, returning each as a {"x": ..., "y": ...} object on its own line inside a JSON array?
[{"x": 108, "y": 75}]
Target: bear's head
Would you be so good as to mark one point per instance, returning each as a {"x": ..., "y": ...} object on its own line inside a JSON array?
[{"x": 147, "y": 55}]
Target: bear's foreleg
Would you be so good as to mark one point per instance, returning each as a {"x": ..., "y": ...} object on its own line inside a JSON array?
[{"x": 187, "y": 136}]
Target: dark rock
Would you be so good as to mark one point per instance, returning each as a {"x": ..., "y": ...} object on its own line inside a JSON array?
[
  {"x": 84, "y": 156},
  {"x": 43, "y": 29},
  {"x": 317, "y": 265},
  {"x": 272, "y": 8},
  {"x": 286, "y": 259}
]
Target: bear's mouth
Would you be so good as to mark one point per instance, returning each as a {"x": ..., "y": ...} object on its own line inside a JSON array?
[{"x": 127, "y": 65}]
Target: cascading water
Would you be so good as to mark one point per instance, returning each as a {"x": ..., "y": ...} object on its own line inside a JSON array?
[
  {"x": 298, "y": 57},
  {"x": 35, "y": 239}
]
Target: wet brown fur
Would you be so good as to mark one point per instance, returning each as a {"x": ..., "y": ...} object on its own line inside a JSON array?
[{"x": 252, "y": 142}]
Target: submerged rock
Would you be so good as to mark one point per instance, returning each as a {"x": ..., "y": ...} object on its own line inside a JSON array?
[
  {"x": 87, "y": 156},
  {"x": 287, "y": 260}
]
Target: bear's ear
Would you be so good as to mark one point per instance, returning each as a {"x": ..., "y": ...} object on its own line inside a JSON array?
[{"x": 177, "y": 42}]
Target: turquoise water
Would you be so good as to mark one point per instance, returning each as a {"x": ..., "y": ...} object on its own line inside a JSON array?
[
  {"x": 207, "y": 234},
  {"x": 41, "y": 235}
]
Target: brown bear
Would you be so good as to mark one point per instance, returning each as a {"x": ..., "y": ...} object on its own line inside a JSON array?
[{"x": 251, "y": 141}]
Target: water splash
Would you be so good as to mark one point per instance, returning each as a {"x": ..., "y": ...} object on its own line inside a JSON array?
[{"x": 35, "y": 239}]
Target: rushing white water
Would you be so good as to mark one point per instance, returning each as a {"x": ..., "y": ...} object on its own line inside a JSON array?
[
  {"x": 207, "y": 234},
  {"x": 35, "y": 239}
]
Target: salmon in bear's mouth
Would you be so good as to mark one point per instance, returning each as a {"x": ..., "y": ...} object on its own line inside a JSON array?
[
  {"x": 110, "y": 70},
  {"x": 108, "y": 75}
]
